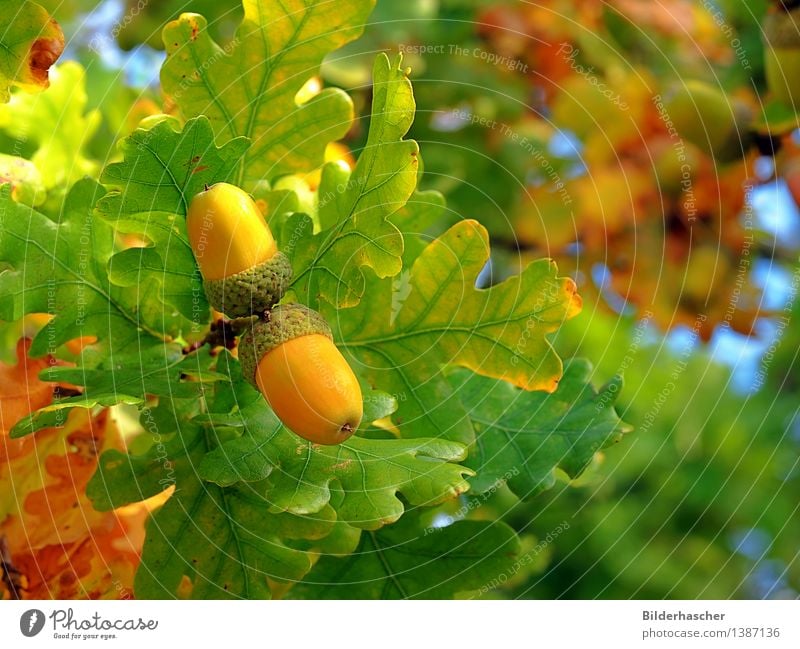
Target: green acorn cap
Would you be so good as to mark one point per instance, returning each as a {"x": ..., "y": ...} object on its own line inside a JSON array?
[
  {"x": 252, "y": 291},
  {"x": 285, "y": 322}
]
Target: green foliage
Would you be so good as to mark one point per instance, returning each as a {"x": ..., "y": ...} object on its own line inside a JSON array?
[
  {"x": 354, "y": 207},
  {"x": 707, "y": 469},
  {"x": 530, "y": 434},
  {"x": 59, "y": 124},
  {"x": 225, "y": 541},
  {"x": 60, "y": 269},
  {"x": 360, "y": 477},
  {"x": 498, "y": 332},
  {"x": 150, "y": 194},
  {"x": 406, "y": 562},
  {"x": 249, "y": 88},
  {"x": 471, "y": 172},
  {"x": 354, "y": 483},
  {"x": 461, "y": 383},
  {"x": 160, "y": 370}
]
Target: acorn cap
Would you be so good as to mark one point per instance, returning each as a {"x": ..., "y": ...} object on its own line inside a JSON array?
[
  {"x": 285, "y": 322},
  {"x": 250, "y": 291},
  {"x": 782, "y": 29}
]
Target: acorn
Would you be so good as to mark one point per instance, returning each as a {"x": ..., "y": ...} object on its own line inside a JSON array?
[
  {"x": 291, "y": 359},
  {"x": 782, "y": 55},
  {"x": 709, "y": 119},
  {"x": 243, "y": 271}
]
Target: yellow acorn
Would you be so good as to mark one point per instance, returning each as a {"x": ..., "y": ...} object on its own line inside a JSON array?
[
  {"x": 782, "y": 55},
  {"x": 243, "y": 271},
  {"x": 291, "y": 359},
  {"x": 709, "y": 119}
]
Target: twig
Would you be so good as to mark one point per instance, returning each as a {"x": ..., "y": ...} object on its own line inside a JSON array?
[{"x": 222, "y": 333}]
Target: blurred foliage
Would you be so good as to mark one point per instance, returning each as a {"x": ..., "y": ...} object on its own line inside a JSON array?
[
  {"x": 516, "y": 134},
  {"x": 703, "y": 502},
  {"x": 141, "y": 22}
]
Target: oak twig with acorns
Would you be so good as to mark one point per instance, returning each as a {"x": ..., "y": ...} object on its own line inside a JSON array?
[{"x": 287, "y": 352}]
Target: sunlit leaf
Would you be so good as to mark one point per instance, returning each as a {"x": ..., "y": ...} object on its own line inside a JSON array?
[
  {"x": 354, "y": 207},
  {"x": 443, "y": 320},
  {"x": 248, "y": 88},
  {"x": 59, "y": 124},
  {"x": 30, "y": 43}
]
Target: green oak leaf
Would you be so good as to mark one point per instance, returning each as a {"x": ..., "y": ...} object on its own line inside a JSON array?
[
  {"x": 240, "y": 460},
  {"x": 360, "y": 477},
  {"x": 378, "y": 405},
  {"x": 225, "y": 541},
  {"x": 60, "y": 269},
  {"x": 442, "y": 320},
  {"x": 245, "y": 458},
  {"x": 160, "y": 370},
  {"x": 353, "y": 208},
  {"x": 424, "y": 211},
  {"x": 150, "y": 193},
  {"x": 523, "y": 437},
  {"x": 58, "y": 122},
  {"x": 249, "y": 87},
  {"x": 403, "y": 562},
  {"x": 342, "y": 540},
  {"x": 30, "y": 42},
  {"x": 237, "y": 405}
]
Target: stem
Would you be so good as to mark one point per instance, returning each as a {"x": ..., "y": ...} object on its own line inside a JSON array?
[{"x": 222, "y": 333}]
